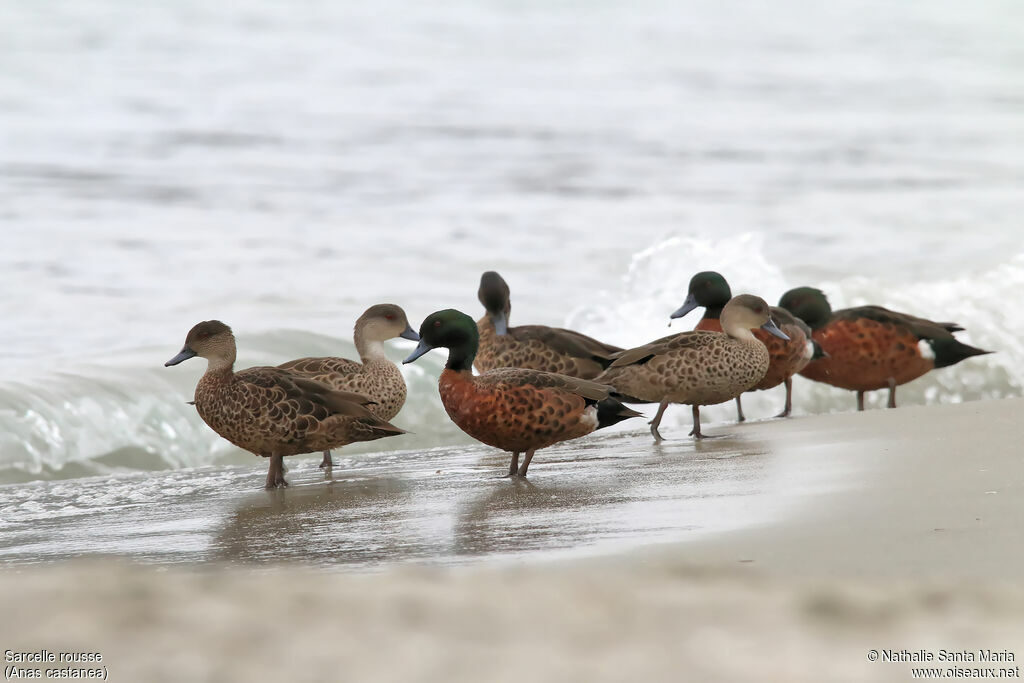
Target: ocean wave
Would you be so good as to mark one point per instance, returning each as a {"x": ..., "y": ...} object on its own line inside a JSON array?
[
  {"x": 984, "y": 302},
  {"x": 89, "y": 419},
  {"x": 99, "y": 420}
]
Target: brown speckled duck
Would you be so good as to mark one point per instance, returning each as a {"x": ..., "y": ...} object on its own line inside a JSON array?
[
  {"x": 376, "y": 377},
  {"x": 271, "y": 412},
  {"x": 513, "y": 409},
  {"x": 697, "y": 368},
  {"x": 870, "y": 347},
  {"x": 534, "y": 347},
  {"x": 710, "y": 290}
]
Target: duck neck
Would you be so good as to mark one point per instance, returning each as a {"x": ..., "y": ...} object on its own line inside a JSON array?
[
  {"x": 712, "y": 312},
  {"x": 460, "y": 358},
  {"x": 220, "y": 366},
  {"x": 369, "y": 350},
  {"x": 740, "y": 333}
]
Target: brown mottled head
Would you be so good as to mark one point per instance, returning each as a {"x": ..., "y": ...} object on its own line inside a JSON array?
[
  {"x": 746, "y": 311},
  {"x": 210, "y": 339},
  {"x": 385, "y": 321},
  {"x": 494, "y": 295}
]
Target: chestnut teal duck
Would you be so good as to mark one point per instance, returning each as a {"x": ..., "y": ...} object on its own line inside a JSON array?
[
  {"x": 515, "y": 409},
  {"x": 870, "y": 347},
  {"x": 374, "y": 375},
  {"x": 700, "y": 367},
  {"x": 271, "y": 412}
]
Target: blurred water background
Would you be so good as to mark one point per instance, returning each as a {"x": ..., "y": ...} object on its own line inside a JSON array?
[{"x": 282, "y": 166}]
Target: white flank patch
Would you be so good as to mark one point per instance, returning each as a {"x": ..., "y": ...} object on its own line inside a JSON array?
[
  {"x": 925, "y": 347},
  {"x": 809, "y": 350},
  {"x": 589, "y": 417}
]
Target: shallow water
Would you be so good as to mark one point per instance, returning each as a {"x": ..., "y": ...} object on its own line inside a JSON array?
[
  {"x": 283, "y": 168},
  {"x": 444, "y": 506}
]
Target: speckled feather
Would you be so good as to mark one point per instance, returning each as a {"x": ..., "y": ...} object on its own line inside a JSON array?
[
  {"x": 698, "y": 368},
  {"x": 537, "y": 347},
  {"x": 786, "y": 358},
  {"x": 377, "y": 378},
  {"x": 863, "y": 354},
  {"x": 268, "y": 410},
  {"x": 521, "y": 410}
]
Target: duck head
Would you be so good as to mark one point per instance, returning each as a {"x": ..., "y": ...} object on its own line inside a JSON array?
[
  {"x": 494, "y": 295},
  {"x": 708, "y": 289},
  {"x": 745, "y": 312},
  {"x": 210, "y": 339},
  {"x": 452, "y": 330},
  {"x": 809, "y": 304},
  {"x": 385, "y": 321}
]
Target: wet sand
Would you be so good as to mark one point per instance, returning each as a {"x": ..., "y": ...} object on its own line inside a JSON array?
[{"x": 887, "y": 530}]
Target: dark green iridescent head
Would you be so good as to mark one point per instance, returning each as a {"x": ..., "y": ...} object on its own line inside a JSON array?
[
  {"x": 452, "y": 330},
  {"x": 808, "y": 304},
  {"x": 708, "y": 289}
]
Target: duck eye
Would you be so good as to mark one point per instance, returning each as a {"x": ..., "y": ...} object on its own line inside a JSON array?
[
  {"x": 437, "y": 323},
  {"x": 390, "y": 316}
]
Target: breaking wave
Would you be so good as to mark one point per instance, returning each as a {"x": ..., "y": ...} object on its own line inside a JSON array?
[{"x": 132, "y": 415}]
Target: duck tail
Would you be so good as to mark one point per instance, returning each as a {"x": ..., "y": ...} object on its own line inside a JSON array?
[
  {"x": 610, "y": 411},
  {"x": 951, "y": 351},
  {"x": 379, "y": 428}
]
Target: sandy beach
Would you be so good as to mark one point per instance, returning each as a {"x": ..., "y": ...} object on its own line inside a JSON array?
[{"x": 891, "y": 531}]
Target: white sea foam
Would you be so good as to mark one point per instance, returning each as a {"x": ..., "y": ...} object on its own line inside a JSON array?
[{"x": 989, "y": 304}]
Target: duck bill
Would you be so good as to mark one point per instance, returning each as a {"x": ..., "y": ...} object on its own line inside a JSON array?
[
  {"x": 184, "y": 354},
  {"x": 771, "y": 328},
  {"x": 421, "y": 349},
  {"x": 500, "y": 321},
  {"x": 410, "y": 334},
  {"x": 688, "y": 305}
]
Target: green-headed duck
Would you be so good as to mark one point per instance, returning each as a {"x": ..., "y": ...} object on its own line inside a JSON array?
[
  {"x": 870, "y": 347},
  {"x": 514, "y": 409},
  {"x": 710, "y": 290}
]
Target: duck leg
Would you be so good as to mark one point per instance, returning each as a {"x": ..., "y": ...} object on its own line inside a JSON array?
[
  {"x": 326, "y": 463},
  {"x": 695, "y": 432},
  {"x": 892, "y": 392},
  {"x": 657, "y": 421},
  {"x": 275, "y": 473},
  {"x": 789, "y": 399},
  {"x": 526, "y": 462},
  {"x": 739, "y": 411},
  {"x": 860, "y": 400},
  {"x": 514, "y": 467}
]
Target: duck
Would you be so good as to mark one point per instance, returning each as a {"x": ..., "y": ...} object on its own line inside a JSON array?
[
  {"x": 711, "y": 290},
  {"x": 374, "y": 375},
  {"x": 518, "y": 410},
  {"x": 871, "y": 347},
  {"x": 272, "y": 412},
  {"x": 699, "y": 367},
  {"x": 534, "y": 347}
]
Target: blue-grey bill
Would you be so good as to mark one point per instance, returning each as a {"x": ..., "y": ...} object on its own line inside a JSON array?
[
  {"x": 410, "y": 334},
  {"x": 688, "y": 305},
  {"x": 184, "y": 354},
  {"x": 500, "y": 323},
  {"x": 772, "y": 328},
  {"x": 421, "y": 349}
]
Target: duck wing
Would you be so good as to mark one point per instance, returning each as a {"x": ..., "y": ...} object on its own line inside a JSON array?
[
  {"x": 306, "y": 393},
  {"x": 922, "y": 328},
  {"x": 683, "y": 340},
  {"x": 569, "y": 342},
  {"x": 588, "y": 390},
  {"x": 322, "y": 367}
]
